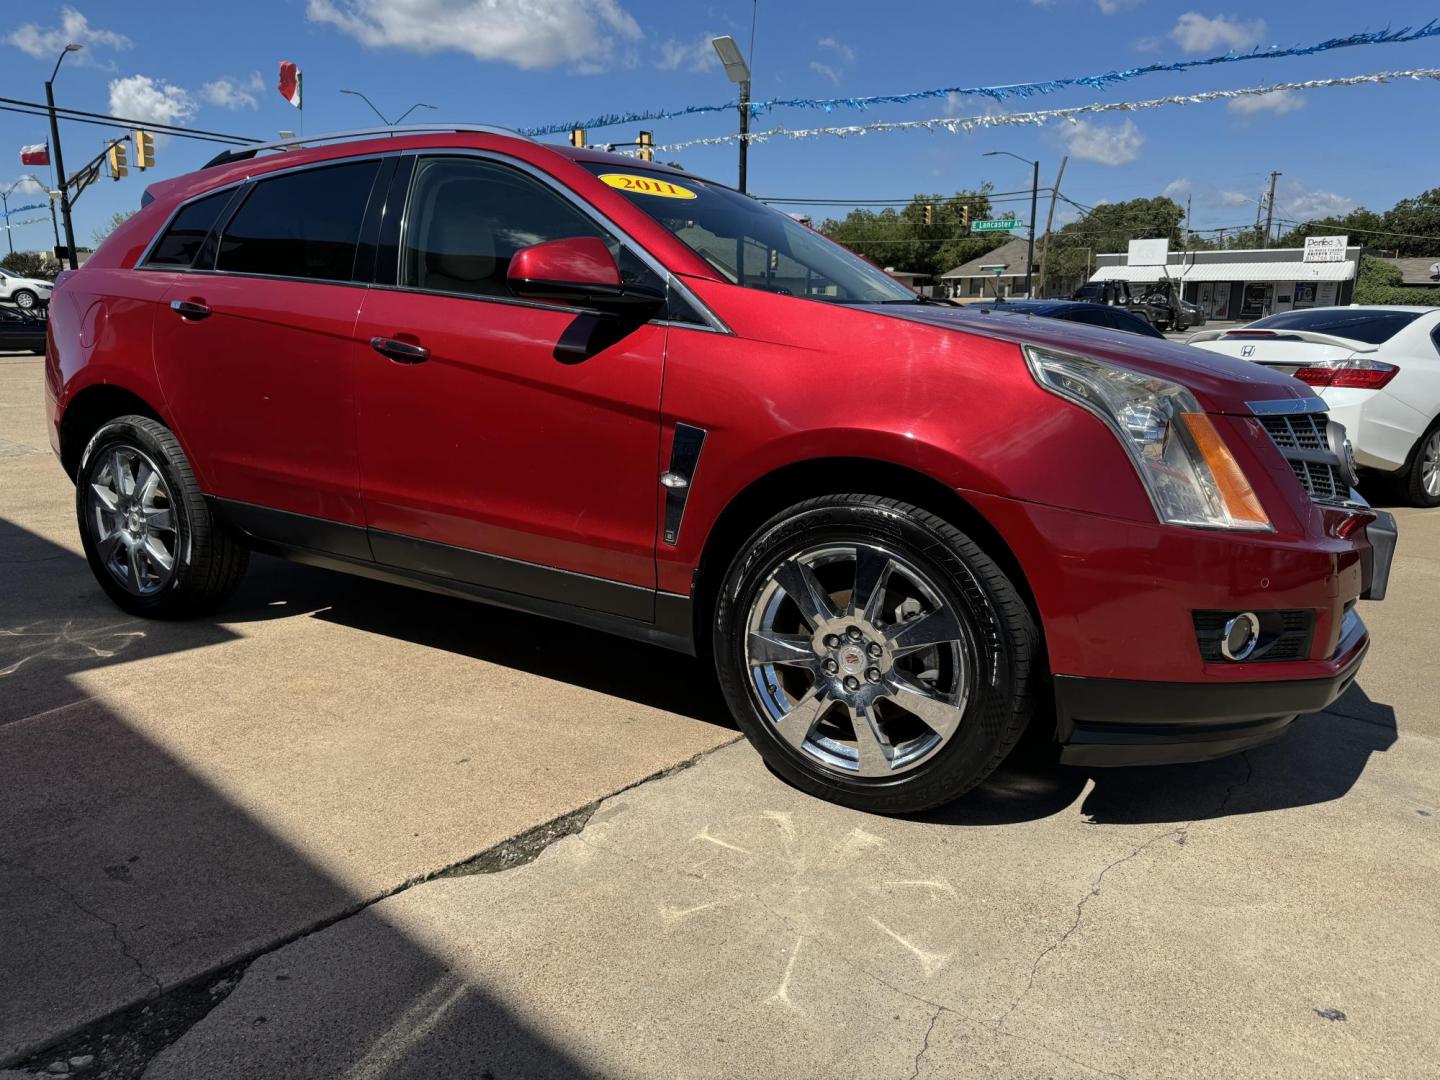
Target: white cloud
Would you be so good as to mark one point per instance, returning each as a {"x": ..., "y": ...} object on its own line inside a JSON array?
[
  {"x": 826, "y": 70},
  {"x": 1181, "y": 185},
  {"x": 527, "y": 33},
  {"x": 1296, "y": 202},
  {"x": 1278, "y": 102},
  {"x": 1113, "y": 7},
  {"x": 1195, "y": 33},
  {"x": 140, "y": 97},
  {"x": 696, "y": 55},
  {"x": 841, "y": 50},
  {"x": 233, "y": 93},
  {"x": 1118, "y": 145},
  {"x": 45, "y": 43},
  {"x": 1233, "y": 198}
]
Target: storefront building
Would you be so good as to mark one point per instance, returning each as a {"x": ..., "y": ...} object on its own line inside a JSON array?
[{"x": 1248, "y": 284}]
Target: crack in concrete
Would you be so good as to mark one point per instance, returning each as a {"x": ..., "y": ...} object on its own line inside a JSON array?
[
  {"x": 1180, "y": 834},
  {"x": 115, "y": 933},
  {"x": 925, "y": 1046}
]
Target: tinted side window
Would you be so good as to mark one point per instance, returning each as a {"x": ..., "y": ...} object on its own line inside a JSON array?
[
  {"x": 303, "y": 224},
  {"x": 467, "y": 218},
  {"x": 1357, "y": 324},
  {"x": 187, "y": 232}
]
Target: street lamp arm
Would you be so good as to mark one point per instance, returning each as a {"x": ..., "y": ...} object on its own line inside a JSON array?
[
  {"x": 377, "y": 112},
  {"x": 1007, "y": 153},
  {"x": 412, "y": 108}
]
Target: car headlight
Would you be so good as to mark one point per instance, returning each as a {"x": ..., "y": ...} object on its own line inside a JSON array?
[{"x": 1184, "y": 464}]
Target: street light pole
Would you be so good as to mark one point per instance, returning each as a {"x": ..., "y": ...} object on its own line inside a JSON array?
[
  {"x": 5, "y": 202},
  {"x": 1034, "y": 199},
  {"x": 60, "y": 157},
  {"x": 738, "y": 72}
]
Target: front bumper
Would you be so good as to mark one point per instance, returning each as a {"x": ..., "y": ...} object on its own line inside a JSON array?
[{"x": 1107, "y": 722}]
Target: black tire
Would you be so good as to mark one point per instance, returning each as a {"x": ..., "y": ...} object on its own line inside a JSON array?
[
  {"x": 997, "y": 626},
  {"x": 208, "y": 559},
  {"x": 20, "y": 298},
  {"x": 1412, "y": 480}
]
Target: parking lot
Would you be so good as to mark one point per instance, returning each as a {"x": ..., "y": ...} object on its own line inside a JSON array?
[{"x": 345, "y": 829}]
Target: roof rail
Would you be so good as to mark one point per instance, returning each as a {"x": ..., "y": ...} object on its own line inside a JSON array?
[{"x": 225, "y": 157}]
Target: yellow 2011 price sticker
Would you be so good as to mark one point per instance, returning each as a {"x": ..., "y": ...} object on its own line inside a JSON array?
[{"x": 646, "y": 185}]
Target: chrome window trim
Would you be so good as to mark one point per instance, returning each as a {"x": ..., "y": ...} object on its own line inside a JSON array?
[
  {"x": 586, "y": 210},
  {"x": 1288, "y": 406}
]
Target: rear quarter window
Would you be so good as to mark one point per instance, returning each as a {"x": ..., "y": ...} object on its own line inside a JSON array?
[{"x": 181, "y": 241}]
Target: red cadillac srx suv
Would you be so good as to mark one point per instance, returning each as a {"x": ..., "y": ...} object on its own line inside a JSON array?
[{"x": 606, "y": 391}]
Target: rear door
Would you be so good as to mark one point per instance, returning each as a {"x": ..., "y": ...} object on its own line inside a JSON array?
[
  {"x": 520, "y": 450},
  {"x": 256, "y": 354}
]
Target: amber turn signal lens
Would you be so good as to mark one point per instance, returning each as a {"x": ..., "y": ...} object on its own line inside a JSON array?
[{"x": 1241, "y": 502}]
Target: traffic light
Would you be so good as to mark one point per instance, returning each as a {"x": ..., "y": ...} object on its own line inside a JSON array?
[
  {"x": 577, "y": 136},
  {"x": 116, "y": 158},
  {"x": 965, "y": 215},
  {"x": 647, "y": 146},
  {"x": 929, "y": 214},
  {"x": 144, "y": 149}
]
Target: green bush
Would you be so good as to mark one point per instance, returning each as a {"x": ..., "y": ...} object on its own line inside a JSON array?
[{"x": 1378, "y": 282}]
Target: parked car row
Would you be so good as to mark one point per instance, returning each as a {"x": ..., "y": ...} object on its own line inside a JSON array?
[
  {"x": 26, "y": 293},
  {"x": 21, "y": 329}
]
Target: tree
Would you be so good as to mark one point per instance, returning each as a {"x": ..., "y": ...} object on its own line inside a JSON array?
[
  {"x": 1107, "y": 228},
  {"x": 116, "y": 220},
  {"x": 900, "y": 238},
  {"x": 29, "y": 264}
]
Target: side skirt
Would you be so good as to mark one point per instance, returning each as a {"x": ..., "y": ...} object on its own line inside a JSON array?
[{"x": 609, "y": 606}]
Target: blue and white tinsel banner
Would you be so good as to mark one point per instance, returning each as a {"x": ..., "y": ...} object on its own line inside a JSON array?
[
  {"x": 1004, "y": 91},
  {"x": 954, "y": 124}
]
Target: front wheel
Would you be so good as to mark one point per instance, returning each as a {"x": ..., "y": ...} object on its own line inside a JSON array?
[
  {"x": 151, "y": 539},
  {"x": 25, "y": 300},
  {"x": 873, "y": 654}
]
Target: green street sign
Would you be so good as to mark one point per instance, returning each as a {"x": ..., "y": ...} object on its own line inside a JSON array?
[{"x": 997, "y": 225}]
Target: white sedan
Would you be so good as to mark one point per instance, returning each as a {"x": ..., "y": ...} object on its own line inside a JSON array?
[
  {"x": 1378, "y": 369},
  {"x": 25, "y": 293}
]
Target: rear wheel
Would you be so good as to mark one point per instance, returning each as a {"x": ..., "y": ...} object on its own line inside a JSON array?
[
  {"x": 149, "y": 535},
  {"x": 873, "y": 654},
  {"x": 1422, "y": 479}
]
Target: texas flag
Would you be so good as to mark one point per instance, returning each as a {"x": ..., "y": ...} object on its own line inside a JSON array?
[
  {"x": 39, "y": 154},
  {"x": 290, "y": 82}
]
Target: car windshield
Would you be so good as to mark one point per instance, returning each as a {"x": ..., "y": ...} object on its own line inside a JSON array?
[
  {"x": 1353, "y": 324},
  {"x": 751, "y": 244}
]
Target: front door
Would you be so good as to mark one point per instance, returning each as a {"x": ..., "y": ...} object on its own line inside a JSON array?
[
  {"x": 518, "y": 448},
  {"x": 257, "y": 356}
]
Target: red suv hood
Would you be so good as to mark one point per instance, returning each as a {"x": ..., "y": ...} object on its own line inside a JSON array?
[{"x": 1220, "y": 383}]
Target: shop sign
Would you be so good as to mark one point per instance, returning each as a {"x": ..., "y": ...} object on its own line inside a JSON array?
[{"x": 1325, "y": 249}]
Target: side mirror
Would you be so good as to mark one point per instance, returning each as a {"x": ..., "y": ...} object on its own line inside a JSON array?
[{"x": 577, "y": 270}]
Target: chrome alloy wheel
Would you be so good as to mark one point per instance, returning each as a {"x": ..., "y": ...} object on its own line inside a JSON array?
[
  {"x": 132, "y": 520},
  {"x": 1430, "y": 465},
  {"x": 858, "y": 660}
]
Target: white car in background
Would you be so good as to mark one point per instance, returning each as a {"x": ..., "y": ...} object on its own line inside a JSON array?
[
  {"x": 25, "y": 293},
  {"x": 1378, "y": 369}
]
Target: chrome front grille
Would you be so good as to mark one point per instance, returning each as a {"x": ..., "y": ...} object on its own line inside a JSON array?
[{"x": 1301, "y": 437}]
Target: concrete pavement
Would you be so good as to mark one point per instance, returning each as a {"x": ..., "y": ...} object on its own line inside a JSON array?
[{"x": 177, "y": 797}]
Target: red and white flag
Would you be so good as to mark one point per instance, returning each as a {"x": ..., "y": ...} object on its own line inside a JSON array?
[
  {"x": 39, "y": 154},
  {"x": 290, "y": 82}
]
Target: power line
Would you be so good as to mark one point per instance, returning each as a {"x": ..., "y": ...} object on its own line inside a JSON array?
[
  {"x": 816, "y": 201},
  {"x": 80, "y": 116}
]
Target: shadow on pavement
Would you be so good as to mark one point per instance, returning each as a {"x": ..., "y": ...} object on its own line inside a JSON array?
[
  {"x": 1319, "y": 759},
  {"x": 124, "y": 874}
]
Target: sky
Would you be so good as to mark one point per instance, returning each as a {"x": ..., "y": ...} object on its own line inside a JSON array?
[{"x": 529, "y": 62}]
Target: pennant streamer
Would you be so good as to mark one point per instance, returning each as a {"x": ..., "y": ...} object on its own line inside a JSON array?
[
  {"x": 955, "y": 124},
  {"x": 1004, "y": 91}
]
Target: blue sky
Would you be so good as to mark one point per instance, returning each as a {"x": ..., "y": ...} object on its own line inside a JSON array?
[{"x": 214, "y": 66}]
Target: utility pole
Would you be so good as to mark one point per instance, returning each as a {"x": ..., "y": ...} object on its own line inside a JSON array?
[
  {"x": 1270, "y": 207},
  {"x": 1050, "y": 221},
  {"x": 60, "y": 158}
]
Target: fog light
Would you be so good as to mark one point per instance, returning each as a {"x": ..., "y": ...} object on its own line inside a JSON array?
[{"x": 1242, "y": 634}]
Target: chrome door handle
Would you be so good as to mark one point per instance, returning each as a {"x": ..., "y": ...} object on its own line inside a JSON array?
[
  {"x": 402, "y": 352},
  {"x": 190, "y": 309}
]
